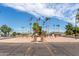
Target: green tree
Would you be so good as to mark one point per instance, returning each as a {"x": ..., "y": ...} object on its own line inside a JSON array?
[
  {"x": 9, "y": 30},
  {"x": 37, "y": 29},
  {"x": 5, "y": 30},
  {"x": 14, "y": 34},
  {"x": 76, "y": 29},
  {"x": 69, "y": 29}
]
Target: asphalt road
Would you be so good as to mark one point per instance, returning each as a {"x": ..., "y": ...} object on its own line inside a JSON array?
[{"x": 39, "y": 49}]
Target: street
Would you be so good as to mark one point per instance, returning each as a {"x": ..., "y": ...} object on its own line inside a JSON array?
[{"x": 39, "y": 49}]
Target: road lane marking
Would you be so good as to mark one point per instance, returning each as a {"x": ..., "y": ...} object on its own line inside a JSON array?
[
  {"x": 30, "y": 48},
  {"x": 50, "y": 51},
  {"x": 12, "y": 50}
]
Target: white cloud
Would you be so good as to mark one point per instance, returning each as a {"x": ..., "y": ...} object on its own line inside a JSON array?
[
  {"x": 65, "y": 12},
  {"x": 35, "y": 9}
]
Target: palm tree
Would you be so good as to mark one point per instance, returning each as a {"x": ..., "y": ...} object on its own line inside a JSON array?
[
  {"x": 22, "y": 30},
  {"x": 47, "y": 18},
  {"x": 54, "y": 27},
  {"x": 38, "y": 19},
  {"x": 58, "y": 26}
]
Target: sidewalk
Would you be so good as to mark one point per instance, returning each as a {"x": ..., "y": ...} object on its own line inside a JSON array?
[
  {"x": 61, "y": 39},
  {"x": 30, "y": 39},
  {"x": 17, "y": 40}
]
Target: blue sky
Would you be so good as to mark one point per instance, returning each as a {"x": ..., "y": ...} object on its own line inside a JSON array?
[{"x": 19, "y": 15}]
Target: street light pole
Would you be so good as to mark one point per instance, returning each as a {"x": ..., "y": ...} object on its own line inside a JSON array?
[
  {"x": 75, "y": 28},
  {"x": 76, "y": 22}
]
